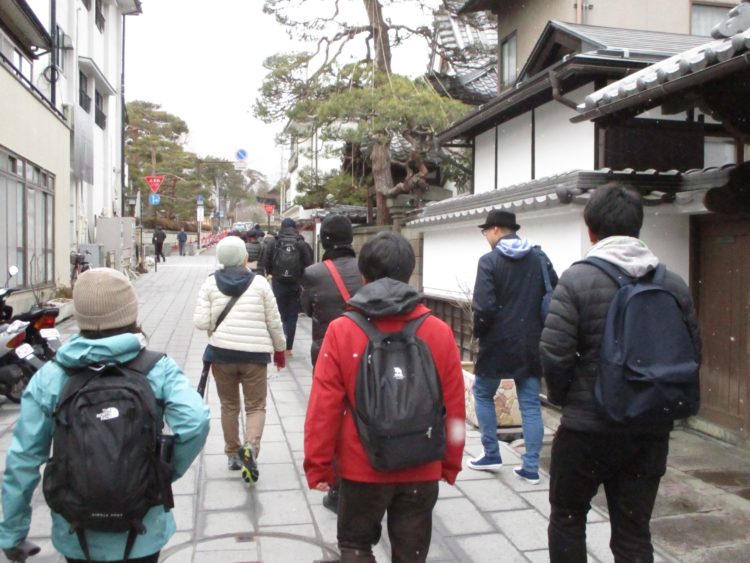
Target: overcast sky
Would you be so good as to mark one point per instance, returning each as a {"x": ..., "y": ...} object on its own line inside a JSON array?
[{"x": 202, "y": 61}]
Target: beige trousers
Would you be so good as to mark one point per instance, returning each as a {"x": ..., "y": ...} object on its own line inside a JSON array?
[{"x": 252, "y": 378}]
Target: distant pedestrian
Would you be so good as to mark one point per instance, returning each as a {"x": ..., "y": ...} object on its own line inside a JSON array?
[
  {"x": 408, "y": 495},
  {"x": 252, "y": 244},
  {"x": 629, "y": 459},
  {"x": 240, "y": 348},
  {"x": 158, "y": 241},
  {"x": 322, "y": 298},
  {"x": 110, "y": 346},
  {"x": 181, "y": 240},
  {"x": 507, "y": 304},
  {"x": 286, "y": 258},
  {"x": 264, "y": 244}
]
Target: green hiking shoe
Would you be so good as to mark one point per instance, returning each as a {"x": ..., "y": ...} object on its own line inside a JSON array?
[{"x": 250, "y": 471}]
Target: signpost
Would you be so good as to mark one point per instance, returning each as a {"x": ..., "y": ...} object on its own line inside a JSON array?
[
  {"x": 269, "y": 208},
  {"x": 154, "y": 199},
  {"x": 154, "y": 182}
]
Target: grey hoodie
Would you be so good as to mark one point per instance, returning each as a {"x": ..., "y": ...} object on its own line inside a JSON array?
[{"x": 628, "y": 253}]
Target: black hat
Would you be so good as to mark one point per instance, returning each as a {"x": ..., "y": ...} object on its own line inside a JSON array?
[
  {"x": 500, "y": 218},
  {"x": 336, "y": 230}
]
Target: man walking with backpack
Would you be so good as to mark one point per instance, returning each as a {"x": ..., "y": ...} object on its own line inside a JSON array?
[
  {"x": 326, "y": 288},
  {"x": 286, "y": 258},
  {"x": 101, "y": 405},
  {"x": 618, "y": 409},
  {"x": 388, "y": 401},
  {"x": 158, "y": 241},
  {"x": 509, "y": 290}
]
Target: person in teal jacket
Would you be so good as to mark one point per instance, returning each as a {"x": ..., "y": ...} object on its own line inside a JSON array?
[{"x": 106, "y": 310}]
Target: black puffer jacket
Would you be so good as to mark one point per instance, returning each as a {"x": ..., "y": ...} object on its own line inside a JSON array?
[
  {"x": 321, "y": 299},
  {"x": 571, "y": 342}
]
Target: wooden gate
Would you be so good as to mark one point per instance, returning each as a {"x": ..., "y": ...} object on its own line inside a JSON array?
[{"x": 722, "y": 286}]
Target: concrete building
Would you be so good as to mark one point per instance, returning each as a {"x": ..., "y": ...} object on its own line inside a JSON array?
[{"x": 61, "y": 164}]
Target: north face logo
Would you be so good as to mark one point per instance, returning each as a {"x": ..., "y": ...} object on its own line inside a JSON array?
[
  {"x": 398, "y": 374},
  {"x": 108, "y": 414}
]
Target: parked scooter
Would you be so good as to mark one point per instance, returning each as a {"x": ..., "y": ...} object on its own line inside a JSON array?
[
  {"x": 39, "y": 318},
  {"x": 14, "y": 374}
]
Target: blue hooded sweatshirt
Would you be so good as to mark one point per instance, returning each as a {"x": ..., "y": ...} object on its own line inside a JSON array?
[{"x": 184, "y": 412}]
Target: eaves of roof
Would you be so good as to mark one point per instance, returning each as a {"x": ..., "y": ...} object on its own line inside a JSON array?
[
  {"x": 648, "y": 87},
  {"x": 477, "y": 6},
  {"x": 575, "y": 187},
  {"x": 19, "y": 20},
  {"x": 484, "y": 117}
]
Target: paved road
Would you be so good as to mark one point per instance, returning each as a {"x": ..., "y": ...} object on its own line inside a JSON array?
[{"x": 486, "y": 517}]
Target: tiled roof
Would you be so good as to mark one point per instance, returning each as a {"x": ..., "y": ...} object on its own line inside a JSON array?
[
  {"x": 648, "y": 86},
  {"x": 656, "y": 188},
  {"x": 633, "y": 40},
  {"x": 475, "y": 88}
]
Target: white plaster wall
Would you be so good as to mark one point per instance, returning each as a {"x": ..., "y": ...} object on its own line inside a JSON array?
[
  {"x": 562, "y": 146},
  {"x": 667, "y": 234},
  {"x": 514, "y": 151},
  {"x": 484, "y": 162},
  {"x": 31, "y": 130},
  {"x": 451, "y": 251}
]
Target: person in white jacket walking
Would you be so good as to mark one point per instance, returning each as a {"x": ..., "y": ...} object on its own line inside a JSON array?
[{"x": 240, "y": 349}]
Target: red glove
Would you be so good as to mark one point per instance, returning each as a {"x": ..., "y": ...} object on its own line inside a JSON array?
[{"x": 279, "y": 359}]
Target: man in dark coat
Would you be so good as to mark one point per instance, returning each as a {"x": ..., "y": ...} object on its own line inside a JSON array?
[
  {"x": 507, "y": 303},
  {"x": 286, "y": 280},
  {"x": 629, "y": 459},
  {"x": 158, "y": 240},
  {"x": 181, "y": 240},
  {"x": 321, "y": 298}
]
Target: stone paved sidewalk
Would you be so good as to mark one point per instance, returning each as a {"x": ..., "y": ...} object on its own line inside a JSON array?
[{"x": 485, "y": 517}]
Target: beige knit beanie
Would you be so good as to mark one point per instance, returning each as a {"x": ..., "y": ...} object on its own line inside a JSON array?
[{"x": 104, "y": 299}]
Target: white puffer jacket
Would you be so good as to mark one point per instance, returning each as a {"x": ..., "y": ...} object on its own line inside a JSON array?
[{"x": 253, "y": 324}]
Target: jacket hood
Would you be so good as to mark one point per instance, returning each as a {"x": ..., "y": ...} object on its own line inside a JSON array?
[
  {"x": 385, "y": 297},
  {"x": 513, "y": 247},
  {"x": 79, "y": 352},
  {"x": 288, "y": 232},
  {"x": 234, "y": 280},
  {"x": 628, "y": 253}
]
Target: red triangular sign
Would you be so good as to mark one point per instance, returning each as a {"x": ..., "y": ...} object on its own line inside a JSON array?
[{"x": 154, "y": 182}]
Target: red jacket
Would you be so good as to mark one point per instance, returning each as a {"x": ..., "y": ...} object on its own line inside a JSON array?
[{"x": 330, "y": 430}]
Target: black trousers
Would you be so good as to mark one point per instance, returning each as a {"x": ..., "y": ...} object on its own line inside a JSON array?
[
  {"x": 288, "y": 300},
  {"x": 159, "y": 251},
  {"x": 361, "y": 509},
  {"x": 148, "y": 559},
  {"x": 629, "y": 466}
]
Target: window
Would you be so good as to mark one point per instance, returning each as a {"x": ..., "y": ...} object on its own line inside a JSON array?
[
  {"x": 704, "y": 17},
  {"x": 99, "y": 16},
  {"x": 84, "y": 100},
  {"x": 26, "y": 220},
  {"x": 99, "y": 116},
  {"x": 718, "y": 151},
  {"x": 508, "y": 60}
]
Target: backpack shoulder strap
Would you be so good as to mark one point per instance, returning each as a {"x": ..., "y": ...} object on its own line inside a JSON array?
[
  {"x": 373, "y": 334},
  {"x": 145, "y": 361},
  {"x": 617, "y": 275},
  {"x": 334, "y": 271},
  {"x": 545, "y": 272},
  {"x": 659, "y": 274},
  {"x": 410, "y": 330}
]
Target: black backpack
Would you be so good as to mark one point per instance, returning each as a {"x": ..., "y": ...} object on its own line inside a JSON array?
[
  {"x": 287, "y": 266},
  {"x": 399, "y": 411},
  {"x": 106, "y": 471},
  {"x": 648, "y": 365},
  {"x": 253, "y": 250}
]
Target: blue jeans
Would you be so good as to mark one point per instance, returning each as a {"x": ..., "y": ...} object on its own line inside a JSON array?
[
  {"x": 527, "y": 391},
  {"x": 484, "y": 405}
]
